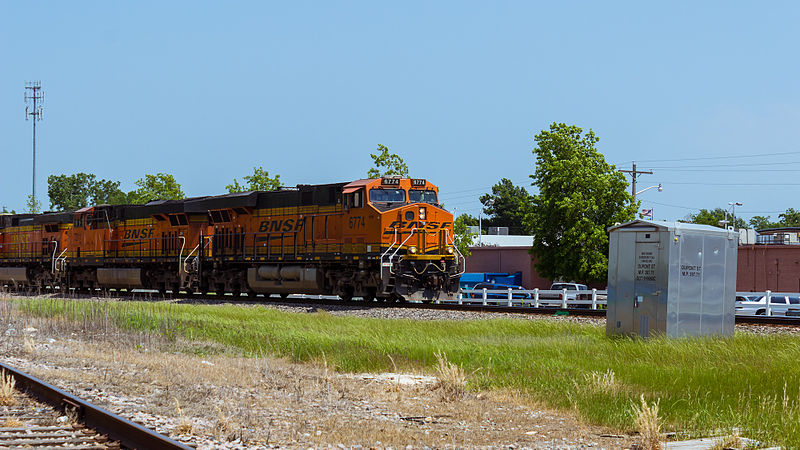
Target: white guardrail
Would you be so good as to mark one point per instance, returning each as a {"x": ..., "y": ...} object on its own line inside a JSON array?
[
  {"x": 592, "y": 299},
  {"x": 536, "y": 298}
]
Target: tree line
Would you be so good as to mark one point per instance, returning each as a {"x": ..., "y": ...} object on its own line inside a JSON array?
[
  {"x": 70, "y": 192},
  {"x": 78, "y": 190}
]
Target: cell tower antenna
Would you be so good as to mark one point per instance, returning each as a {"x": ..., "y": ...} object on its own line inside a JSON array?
[{"x": 36, "y": 95}]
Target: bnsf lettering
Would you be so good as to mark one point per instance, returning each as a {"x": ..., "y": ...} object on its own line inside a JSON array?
[
  {"x": 273, "y": 226},
  {"x": 433, "y": 225},
  {"x": 144, "y": 233}
]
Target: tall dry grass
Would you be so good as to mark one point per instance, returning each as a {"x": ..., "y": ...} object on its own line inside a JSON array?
[
  {"x": 648, "y": 424},
  {"x": 8, "y": 392}
]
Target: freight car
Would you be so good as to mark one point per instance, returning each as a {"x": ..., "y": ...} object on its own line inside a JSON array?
[{"x": 385, "y": 238}]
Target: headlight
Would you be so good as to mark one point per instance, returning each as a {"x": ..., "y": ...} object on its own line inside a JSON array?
[
  {"x": 412, "y": 249},
  {"x": 422, "y": 213},
  {"x": 450, "y": 250}
]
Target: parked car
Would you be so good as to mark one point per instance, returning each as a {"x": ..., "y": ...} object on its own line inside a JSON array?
[
  {"x": 554, "y": 298},
  {"x": 494, "y": 287},
  {"x": 781, "y": 305}
]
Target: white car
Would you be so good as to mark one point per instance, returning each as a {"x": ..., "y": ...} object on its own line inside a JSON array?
[{"x": 781, "y": 305}]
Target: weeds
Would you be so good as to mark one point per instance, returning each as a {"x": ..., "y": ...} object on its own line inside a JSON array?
[
  {"x": 29, "y": 345},
  {"x": 648, "y": 425},
  {"x": 225, "y": 428},
  {"x": 12, "y": 422},
  {"x": 451, "y": 378},
  {"x": 605, "y": 382},
  {"x": 185, "y": 425},
  {"x": 733, "y": 441},
  {"x": 7, "y": 390}
]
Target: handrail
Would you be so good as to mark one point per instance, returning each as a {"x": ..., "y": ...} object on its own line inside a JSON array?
[
  {"x": 402, "y": 243},
  {"x": 186, "y": 260},
  {"x": 399, "y": 247},
  {"x": 61, "y": 257},
  {"x": 53, "y": 263},
  {"x": 390, "y": 247},
  {"x": 452, "y": 242},
  {"x": 180, "y": 255}
]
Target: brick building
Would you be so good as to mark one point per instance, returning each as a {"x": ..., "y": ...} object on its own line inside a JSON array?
[
  {"x": 771, "y": 261},
  {"x": 504, "y": 253}
]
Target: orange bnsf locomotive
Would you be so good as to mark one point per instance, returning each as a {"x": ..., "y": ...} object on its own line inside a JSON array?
[{"x": 385, "y": 238}]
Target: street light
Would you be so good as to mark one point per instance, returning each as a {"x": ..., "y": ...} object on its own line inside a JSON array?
[
  {"x": 489, "y": 203},
  {"x": 733, "y": 206},
  {"x": 647, "y": 189}
]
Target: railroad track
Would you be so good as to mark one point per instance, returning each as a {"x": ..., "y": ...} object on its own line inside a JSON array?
[
  {"x": 545, "y": 311},
  {"x": 581, "y": 312},
  {"x": 41, "y": 416}
]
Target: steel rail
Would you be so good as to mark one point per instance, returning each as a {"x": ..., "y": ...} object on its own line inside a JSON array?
[
  {"x": 129, "y": 434},
  {"x": 475, "y": 307}
]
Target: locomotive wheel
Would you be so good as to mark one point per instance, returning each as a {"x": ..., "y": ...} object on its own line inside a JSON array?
[
  {"x": 370, "y": 295},
  {"x": 347, "y": 293}
]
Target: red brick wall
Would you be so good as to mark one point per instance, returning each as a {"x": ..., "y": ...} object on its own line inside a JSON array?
[
  {"x": 506, "y": 259},
  {"x": 773, "y": 267}
]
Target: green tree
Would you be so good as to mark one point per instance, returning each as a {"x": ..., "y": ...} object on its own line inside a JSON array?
[
  {"x": 70, "y": 192},
  {"x": 462, "y": 237},
  {"x": 506, "y": 206},
  {"x": 580, "y": 196},
  {"x": 762, "y": 222},
  {"x": 105, "y": 192},
  {"x": 33, "y": 206},
  {"x": 161, "y": 186},
  {"x": 790, "y": 218},
  {"x": 713, "y": 217},
  {"x": 387, "y": 164},
  {"x": 258, "y": 181}
]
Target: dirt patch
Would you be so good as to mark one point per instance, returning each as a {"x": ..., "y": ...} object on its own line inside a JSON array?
[{"x": 222, "y": 401}]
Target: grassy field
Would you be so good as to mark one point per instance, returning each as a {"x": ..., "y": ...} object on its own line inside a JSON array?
[{"x": 749, "y": 381}]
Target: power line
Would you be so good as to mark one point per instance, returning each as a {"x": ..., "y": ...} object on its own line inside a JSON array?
[
  {"x": 698, "y": 183},
  {"x": 731, "y": 165},
  {"x": 758, "y": 155},
  {"x": 728, "y": 170}
]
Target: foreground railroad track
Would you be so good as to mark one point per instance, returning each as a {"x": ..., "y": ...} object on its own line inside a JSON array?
[{"x": 41, "y": 416}]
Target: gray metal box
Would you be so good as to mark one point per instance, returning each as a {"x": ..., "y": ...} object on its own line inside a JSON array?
[{"x": 671, "y": 278}]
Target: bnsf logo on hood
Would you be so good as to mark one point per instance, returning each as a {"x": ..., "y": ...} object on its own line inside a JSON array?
[
  {"x": 419, "y": 225},
  {"x": 273, "y": 226}
]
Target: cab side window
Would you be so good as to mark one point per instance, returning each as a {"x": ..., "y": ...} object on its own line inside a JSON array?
[{"x": 354, "y": 200}]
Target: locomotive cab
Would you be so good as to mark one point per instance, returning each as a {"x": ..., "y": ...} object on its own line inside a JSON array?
[{"x": 409, "y": 234}]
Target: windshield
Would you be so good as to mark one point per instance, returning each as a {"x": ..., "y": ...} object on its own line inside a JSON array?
[
  {"x": 387, "y": 195},
  {"x": 422, "y": 196}
]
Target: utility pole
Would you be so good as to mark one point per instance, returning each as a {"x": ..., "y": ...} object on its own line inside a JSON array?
[
  {"x": 634, "y": 173},
  {"x": 37, "y": 96}
]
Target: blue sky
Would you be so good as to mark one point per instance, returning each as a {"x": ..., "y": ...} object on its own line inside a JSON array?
[{"x": 207, "y": 90}]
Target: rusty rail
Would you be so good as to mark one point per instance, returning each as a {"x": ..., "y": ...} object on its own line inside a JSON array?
[{"x": 129, "y": 434}]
